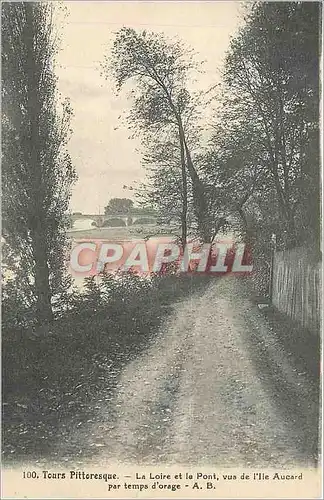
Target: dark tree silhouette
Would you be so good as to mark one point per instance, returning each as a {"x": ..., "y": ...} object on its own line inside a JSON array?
[{"x": 37, "y": 170}]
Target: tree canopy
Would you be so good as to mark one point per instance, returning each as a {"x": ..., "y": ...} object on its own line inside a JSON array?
[{"x": 119, "y": 206}]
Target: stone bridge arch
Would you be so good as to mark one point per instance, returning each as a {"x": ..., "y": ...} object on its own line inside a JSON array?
[{"x": 128, "y": 219}]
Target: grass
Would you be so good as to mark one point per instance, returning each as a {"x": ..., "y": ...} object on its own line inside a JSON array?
[{"x": 122, "y": 233}]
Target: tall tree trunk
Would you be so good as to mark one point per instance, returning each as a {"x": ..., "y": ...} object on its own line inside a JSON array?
[
  {"x": 285, "y": 208},
  {"x": 184, "y": 211},
  {"x": 200, "y": 204},
  {"x": 44, "y": 310},
  {"x": 37, "y": 187}
]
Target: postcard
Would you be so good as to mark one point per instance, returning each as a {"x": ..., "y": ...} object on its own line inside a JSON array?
[{"x": 161, "y": 249}]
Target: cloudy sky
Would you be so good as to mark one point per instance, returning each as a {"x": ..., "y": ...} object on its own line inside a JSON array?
[{"x": 103, "y": 155}]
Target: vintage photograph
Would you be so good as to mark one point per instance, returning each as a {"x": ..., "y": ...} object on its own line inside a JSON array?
[{"x": 161, "y": 239}]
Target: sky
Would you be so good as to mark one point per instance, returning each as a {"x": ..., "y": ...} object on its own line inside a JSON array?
[{"x": 102, "y": 152}]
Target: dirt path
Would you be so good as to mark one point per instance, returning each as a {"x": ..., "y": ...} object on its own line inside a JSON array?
[{"x": 197, "y": 396}]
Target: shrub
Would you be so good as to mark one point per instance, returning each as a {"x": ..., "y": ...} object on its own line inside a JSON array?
[
  {"x": 54, "y": 374},
  {"x": 144, "y": 220},
  {"x": 114, "y": 222}
]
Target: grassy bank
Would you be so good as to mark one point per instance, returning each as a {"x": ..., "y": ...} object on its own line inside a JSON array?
[
  {"x": 123, "y": 233},
  {"x": 52, "y": 376}
]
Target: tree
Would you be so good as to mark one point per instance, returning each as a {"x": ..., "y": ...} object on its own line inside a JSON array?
[
  {"x": 119, "y": 206},
  {"x": 262, "y": 165},
  {"x": 272, "y": 76},
  {"x": 163, "y": 187},
  {"x": 162, "y": 103},
  {"x": 234, "y": 164},
  {"x": 37, "y": 173}
]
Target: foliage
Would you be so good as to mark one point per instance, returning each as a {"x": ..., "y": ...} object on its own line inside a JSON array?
[
  {"x": 261, "y": 170},
  {"x": 272, "y": 79},
  {"x": 162, "y": 107},
  {"x": 114, "y": 222},
  {"x": 37, "y": 172},
  {"x": 119, "y": 206},
  {"x": 145, "y": 220},
  {"x": 144, "y": 210},
  {"x": 53, "y": 378},
  {"x": 164, "y": 185}
]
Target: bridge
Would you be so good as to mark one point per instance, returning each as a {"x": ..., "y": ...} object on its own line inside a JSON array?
[{"x": 125, "y": 219}]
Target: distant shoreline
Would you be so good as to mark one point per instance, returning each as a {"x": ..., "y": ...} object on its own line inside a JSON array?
[{"x": 124, "y": 232}]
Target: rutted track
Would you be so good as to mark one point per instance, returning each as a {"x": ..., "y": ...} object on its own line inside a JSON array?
[{"x": 214, "y": 389}]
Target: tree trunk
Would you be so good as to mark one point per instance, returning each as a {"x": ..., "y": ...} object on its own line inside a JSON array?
[
  {"x": 200, "y": 204},
  {"x": 33, "y": 158},
  {"x": 201, "y": 208},
  {"x": 285, "y": 209},
  {"x": 184, "y": 195},
  {"x": 44, "y": 310}
]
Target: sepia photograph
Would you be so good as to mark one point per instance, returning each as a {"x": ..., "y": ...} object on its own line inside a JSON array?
[{"x": 161, "y": 182}]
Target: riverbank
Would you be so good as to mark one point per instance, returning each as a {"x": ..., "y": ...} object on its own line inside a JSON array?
[{"x": 123, "y": 233}]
